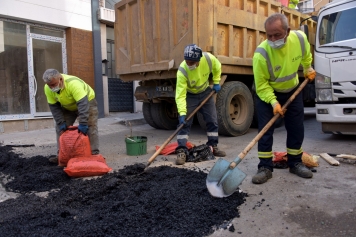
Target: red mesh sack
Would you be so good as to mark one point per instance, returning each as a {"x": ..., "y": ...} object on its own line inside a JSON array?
[
  {"x": 279, "y": 156},
  {"x": 72, "y": 144},
  {"x": 93, "y": 165},
  {"x": 170, "y": 148}
]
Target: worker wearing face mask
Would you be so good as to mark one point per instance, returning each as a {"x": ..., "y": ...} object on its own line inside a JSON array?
[
  {"x": 70, "y": 98},
  {"x": 191, "y": 89},
  {"x": 275, "y": 67}
]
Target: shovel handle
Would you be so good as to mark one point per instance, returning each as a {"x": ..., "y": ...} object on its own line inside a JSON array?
[
  {"x": 153, "y": 157},
  {"x": 269, "y": 124}
]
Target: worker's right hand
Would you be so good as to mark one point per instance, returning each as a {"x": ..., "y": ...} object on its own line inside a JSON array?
[
  {"x": 181, "y": 119},
  {"x": 277, "y": 109},
  {"x": 62, "y": 128},
  {"x": 83, "y": 129}
]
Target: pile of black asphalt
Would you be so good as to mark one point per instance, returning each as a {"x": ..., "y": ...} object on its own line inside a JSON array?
[{"x": 162, "y": 201}]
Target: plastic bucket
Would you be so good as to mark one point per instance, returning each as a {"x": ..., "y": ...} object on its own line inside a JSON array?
[{"x": 136, "y": 146}]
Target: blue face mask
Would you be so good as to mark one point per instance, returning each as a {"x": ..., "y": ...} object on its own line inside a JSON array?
[{"x": 278, "y": 43}]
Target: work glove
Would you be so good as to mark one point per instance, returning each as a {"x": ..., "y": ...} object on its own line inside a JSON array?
[
  {"x": 62, "y": 128},
  {"x": 309, "y": 73},
  {"x": 83, "y": 129},
  {"x": 216, "y": 87},
  {"x": 277, "y": 109},
  {"x": 181, "y": 119}
]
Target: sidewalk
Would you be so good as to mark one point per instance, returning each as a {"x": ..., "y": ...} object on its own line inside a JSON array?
[{"x": 47, "y": 136}]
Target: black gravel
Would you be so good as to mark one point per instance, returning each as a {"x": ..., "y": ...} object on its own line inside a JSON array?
[{"x": 162, "y": 201}]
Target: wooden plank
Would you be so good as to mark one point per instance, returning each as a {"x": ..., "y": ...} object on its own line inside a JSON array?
[
  {"x": 351, "y": 157},
  {"x": 329, "y": 159}
]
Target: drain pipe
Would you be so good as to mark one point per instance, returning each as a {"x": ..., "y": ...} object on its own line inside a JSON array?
[{"x": 98, "y": 78}]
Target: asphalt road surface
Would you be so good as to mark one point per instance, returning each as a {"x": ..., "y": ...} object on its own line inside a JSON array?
[{"x": 286, "y": 205}]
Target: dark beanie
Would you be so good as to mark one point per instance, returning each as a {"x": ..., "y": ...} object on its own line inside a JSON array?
[{"x": 192, "y": 53}]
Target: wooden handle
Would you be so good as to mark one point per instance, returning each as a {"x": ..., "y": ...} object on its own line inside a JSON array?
[
  {"x": 270, "y": 123},
  {"x": 153, "y": 157}
]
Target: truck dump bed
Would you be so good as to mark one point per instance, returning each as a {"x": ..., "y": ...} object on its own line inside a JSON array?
[{"x": 150, "y": 36}]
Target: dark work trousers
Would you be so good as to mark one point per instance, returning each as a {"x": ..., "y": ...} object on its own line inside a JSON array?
[
  {"x": 71, "y": 116},
  {"x": 293, "y": 120},
  {"x": 208, "y": 110}
]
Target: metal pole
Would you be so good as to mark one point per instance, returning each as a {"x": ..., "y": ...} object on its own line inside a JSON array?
[{"x": 98, "y": 78}]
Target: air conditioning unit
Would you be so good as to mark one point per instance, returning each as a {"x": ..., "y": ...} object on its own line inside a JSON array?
[{"x": 106, "y": 15}]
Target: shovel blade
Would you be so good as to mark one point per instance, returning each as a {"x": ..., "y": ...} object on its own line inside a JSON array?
[{"x": 222, "y": 181}]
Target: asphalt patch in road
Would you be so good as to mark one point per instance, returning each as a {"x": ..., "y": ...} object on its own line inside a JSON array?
[{"x": 162, "y": 201}]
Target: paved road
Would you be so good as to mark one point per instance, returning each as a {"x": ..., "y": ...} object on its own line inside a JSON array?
[{"x": 284, "y": 206}]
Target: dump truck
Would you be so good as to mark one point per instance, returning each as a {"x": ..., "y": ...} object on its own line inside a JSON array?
[
  {"x": 335, "y": 60},
  {"x": 150, "y": 37}
]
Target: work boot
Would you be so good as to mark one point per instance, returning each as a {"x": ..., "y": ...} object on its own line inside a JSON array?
[
  {"x": 301, "y": 170},
  {"x": 263, "y": 174},
  {"x": 53, "y": 159},
  {"x": 217, "y": 152},
  {"x": 181, "y": 156}
]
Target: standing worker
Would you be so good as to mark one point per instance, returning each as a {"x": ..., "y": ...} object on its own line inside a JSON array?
[
  {"x": 275, "y": 67},
  {"x": 70, "y": 98},
  {"x": 192, "y": 88}
]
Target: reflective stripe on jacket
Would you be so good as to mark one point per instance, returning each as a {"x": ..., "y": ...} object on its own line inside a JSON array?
[
  {"x": 277, "y": 69},
  {"x": 74, "y": 90},
  {"x": 197, "y": 80}
]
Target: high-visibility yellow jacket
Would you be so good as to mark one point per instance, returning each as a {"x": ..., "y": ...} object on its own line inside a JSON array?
[
  {"x": 74, "y": 90},
  {"x": 197, "y": 80},
  {"x": 277, "y": 69},
  {"x": 293, "y": 4}
]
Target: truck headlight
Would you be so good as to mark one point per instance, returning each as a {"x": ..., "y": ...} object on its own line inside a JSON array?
[
  {"x": 322, "y": 82},
  {"x": 323, "y": 95},
  {"x": 323, "y": 88}
]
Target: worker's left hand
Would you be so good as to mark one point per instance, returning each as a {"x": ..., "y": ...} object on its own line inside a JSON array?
[
  {"x": 83, "y": 129},
  {"x": 309, "y": 73},
  {"x": 216, "y": 87}
]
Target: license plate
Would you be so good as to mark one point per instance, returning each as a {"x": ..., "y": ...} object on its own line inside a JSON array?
[{"x": 164, "y": 88}]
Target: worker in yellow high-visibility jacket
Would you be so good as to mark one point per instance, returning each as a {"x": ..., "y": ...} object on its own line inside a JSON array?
[
  {"x": 293, "y": 4},
  {"x": 191, "y": 89},
  {"x": 275, "y": 67},
  {"x": 70, "y": 98}
]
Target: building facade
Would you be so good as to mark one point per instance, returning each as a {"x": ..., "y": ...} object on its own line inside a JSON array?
[{"x": 36, "y": 35}]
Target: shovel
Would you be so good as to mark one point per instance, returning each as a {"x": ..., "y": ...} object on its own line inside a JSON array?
[
  {"x": 153, "y": 157},
  {"x": 224, "y": 178}
]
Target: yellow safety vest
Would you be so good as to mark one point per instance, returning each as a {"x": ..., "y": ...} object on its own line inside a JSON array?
[
  {"x": 74, "y": 90},
  {"x": 195, "y": 81},
  {"x": 277, "y": 69}
]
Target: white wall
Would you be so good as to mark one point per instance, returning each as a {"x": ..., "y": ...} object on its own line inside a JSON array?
[{"x": 62, "y": 13}]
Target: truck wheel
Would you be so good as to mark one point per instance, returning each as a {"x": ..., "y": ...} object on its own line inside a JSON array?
[
  {"x": 234, "y": 105},
  {"x": 165, "y": 115},
  {"x": 201, "y": 121},
  {"x": 146, "y": 110}
]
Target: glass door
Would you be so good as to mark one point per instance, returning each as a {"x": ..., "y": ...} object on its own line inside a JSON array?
[{"x": 46, "y": 52}]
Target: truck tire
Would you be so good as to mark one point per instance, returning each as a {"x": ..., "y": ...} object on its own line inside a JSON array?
[
  {"x": 165, "y": 115},
  {"x": 146, "y": 110},
  {"x": 234, "y": 106}
]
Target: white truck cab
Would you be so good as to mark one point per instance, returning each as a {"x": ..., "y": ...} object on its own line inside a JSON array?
[{"x": 335, "y": 64}]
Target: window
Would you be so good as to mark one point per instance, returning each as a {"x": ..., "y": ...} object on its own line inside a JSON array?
[{"x": 338, "y": 26}]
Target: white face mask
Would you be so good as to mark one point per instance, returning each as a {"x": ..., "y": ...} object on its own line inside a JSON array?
[
  {"x": 192, "y": 67},
  {"x": 56, "y": 89},
  {"x": 278, "y": 43}
]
